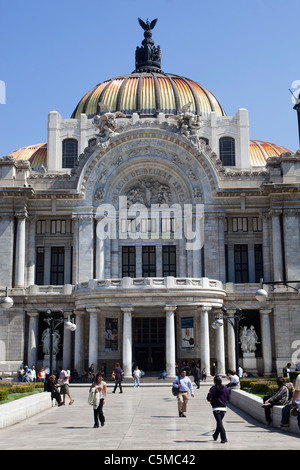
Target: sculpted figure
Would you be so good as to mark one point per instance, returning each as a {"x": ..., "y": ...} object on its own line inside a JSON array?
[{"x": 106, "y": 122}]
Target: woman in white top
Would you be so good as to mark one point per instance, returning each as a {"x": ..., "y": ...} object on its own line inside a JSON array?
[{"x": 99, "y": 387}]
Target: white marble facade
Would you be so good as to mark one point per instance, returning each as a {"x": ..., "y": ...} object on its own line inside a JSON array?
[{"x": 238, "y": 206}]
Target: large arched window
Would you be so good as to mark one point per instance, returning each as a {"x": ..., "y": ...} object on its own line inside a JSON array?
[
  {"x": 227, "y": 151},
  {"x": 69, "y": 153}
]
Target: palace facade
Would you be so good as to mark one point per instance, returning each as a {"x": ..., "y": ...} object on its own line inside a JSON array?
[{"x": 142, "y": 216}]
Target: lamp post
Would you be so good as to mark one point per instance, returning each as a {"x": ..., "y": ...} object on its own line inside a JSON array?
[
  {"x": 6, "y": 302},
  {"x": 53, "y": 324},
  {"x": 262, "y": 295},
  {"x": 234, "y": 322}
]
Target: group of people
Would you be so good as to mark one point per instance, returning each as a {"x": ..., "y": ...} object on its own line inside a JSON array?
[{"x": 58, "y": 386}]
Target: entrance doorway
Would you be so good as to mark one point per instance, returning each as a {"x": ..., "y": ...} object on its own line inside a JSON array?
[{"x": 149, "y": 348}]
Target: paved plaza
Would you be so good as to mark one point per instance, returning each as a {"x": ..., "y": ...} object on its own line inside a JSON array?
[{"x": 141, "y": 419}]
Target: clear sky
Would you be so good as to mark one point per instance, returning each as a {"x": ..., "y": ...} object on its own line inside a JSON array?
[{"x": 52, "y": 52}]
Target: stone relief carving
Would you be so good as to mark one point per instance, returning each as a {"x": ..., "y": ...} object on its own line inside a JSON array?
[
  {"x": 99, "y": 195},
  {"x": 148, "y": 191},
  {"x": 106, "y": 123}
]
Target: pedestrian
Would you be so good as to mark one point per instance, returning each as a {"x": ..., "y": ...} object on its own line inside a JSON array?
[
  {"x": 286, "y": 410},
  {"x": 218, "y": 396},
  {"x": 296, "y": 397},
  {"x": 136, "y": 375},
  {"x": 204, "y": 374},
  {"x": 234, "y": 379},
  {"x": 196, "y": 372},
  {"x": 33, "y": 373},
  {"x": 184, "y": 384},
  {"x": 52, "y": 387},
  {"x": 99, "y": 388},
  {"x": 42, "y": 375},
  {"x": 240, "y": 372},
  {"x": 286, "y": 370},
  {"x": 64, "y": 383},
  {"x": 281, "y": 397},
  {"x": 117, "y": 375}
]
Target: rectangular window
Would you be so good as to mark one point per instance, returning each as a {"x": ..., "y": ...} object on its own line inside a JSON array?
[
  {"x": 257, "y": 225},
  {"x": 258, "y": 259},
  {"x": 149, "y": 261},
  {"x": 40, "y": 227},
  {"x": 241, "y": 264},
  {"x": 239, "y": 224},
  {"x": 128, "y": 261},
  {"x": 57, "y": 266},
  {"x": 169, "y": 260},
  {"x": 39, "y": 266}
]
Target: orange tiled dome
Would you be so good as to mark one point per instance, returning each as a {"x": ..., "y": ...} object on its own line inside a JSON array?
[{"x": 260, "y": 151}]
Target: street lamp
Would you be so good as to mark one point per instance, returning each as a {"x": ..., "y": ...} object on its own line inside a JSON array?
[
  {"x": 234, "y": 321},
  {"x": 53, "y": 323},
  {"x": 262, "y": 295},
  {"x": 6, "y": 302}
]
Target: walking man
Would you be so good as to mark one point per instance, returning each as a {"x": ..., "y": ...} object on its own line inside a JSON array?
[
  {"x": 185, "y": 386},
  {"x": 64, "y": 382}
]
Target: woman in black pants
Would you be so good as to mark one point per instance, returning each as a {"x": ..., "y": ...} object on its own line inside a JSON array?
[
  {"x": 218, "y": 396},
  {"x": 118, "y": 378},
  {"x": 100, "y": 387}
]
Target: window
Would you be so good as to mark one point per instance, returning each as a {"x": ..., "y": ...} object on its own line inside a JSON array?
[
  {"x": 57, "y": 266},
  {"x": 40, "y": 227},
  {"x": 257, "y": 225},
  {"x": 58, "y": 226},
  {"x": 239, "y": 224},
  {"x": 39, "y": 266},
  {"x": 128, "y": 261},
  {"x": 149, "y": 261},
  {"x": 169, "y": 260},
  {"x": 258, "y": 259},
  {"x": 227, "y": 151},
  {"x": 69, "y": 153},
  {"x": 241, "y": 263}
]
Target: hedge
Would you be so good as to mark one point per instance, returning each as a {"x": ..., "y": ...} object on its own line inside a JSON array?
[{"x": 7, "y": 388}]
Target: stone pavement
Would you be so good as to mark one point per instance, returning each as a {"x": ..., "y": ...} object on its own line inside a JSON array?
[{"x": 141, "y": 419}]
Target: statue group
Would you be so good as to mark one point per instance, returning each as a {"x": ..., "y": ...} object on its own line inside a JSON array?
[{"x": 248, "y": 339}]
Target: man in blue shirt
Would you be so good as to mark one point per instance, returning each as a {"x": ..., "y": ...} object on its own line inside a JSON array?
[{"x": 185, "y": 385}]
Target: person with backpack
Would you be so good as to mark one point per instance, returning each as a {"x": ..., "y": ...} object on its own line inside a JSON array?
[{"x": 184, "y": 385}]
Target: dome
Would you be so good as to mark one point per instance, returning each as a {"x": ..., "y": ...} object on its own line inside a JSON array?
[
  {"x": 35, "y": 154},
  {"x": 149, "y": 93},
  {"x": 260, "y": 151}
]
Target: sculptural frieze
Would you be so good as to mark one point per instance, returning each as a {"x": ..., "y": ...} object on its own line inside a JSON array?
[
  {"x": 147, "y": 191},
  {"x": 248, "y": 339}
]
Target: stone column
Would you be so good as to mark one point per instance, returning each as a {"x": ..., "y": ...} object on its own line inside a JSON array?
[
  {"x": 277, "y": 247},
  {"x": 266, "y": 340},
  {"x": 31, "y": 252},
  {"x": 127, "y": 340},
  {"x": 231, "y": 340},
  {"x": 170, "y": 340},
  {"x": 83, "y": 248},
  {"x": 93, "y": 336},
  {"x": 267, "y": 255},
  {"x": 205, "y": 346},
  {"x": 79, "y": 341},
  {"x": 20, "y": 249},
  {"x": 291, "y": 244},
  {"x": 67, "y": 351},
  {"x": 32, "y": 337},
  {"x": 220, "y": 350}
]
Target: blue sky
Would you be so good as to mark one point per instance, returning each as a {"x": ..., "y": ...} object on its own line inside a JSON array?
[{"x": 245, "y": 52}]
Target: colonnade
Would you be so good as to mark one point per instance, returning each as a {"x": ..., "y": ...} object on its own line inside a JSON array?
[{"x": 201, "y": 317}]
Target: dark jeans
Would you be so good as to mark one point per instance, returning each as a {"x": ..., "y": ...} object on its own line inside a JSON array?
[
  {"x": 120, "y": 386},
  {"x": 219, "y": 415},
  {"x": 98, "y": 414}
]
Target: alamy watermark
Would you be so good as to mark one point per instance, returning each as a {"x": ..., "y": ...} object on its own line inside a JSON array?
[
  {"x": 2, "y": 92},
  {"x": 160, "y": 221}
]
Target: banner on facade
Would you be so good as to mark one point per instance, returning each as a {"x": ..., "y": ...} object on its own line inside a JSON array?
[
  {"x": 187, "y": 332},
  {"x": 111, "y": 334}
]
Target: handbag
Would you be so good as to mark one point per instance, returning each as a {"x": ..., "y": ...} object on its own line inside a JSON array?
[{"x": 175, "y": 390}]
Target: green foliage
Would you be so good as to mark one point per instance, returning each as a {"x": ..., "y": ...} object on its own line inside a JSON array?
[{"x": 3, "y": 393}]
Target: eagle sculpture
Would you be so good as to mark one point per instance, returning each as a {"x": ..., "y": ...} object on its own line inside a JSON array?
[{"x": 147, "y": 26}]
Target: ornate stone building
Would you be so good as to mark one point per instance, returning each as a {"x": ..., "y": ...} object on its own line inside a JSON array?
[{"x": 143, "y": 214}]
